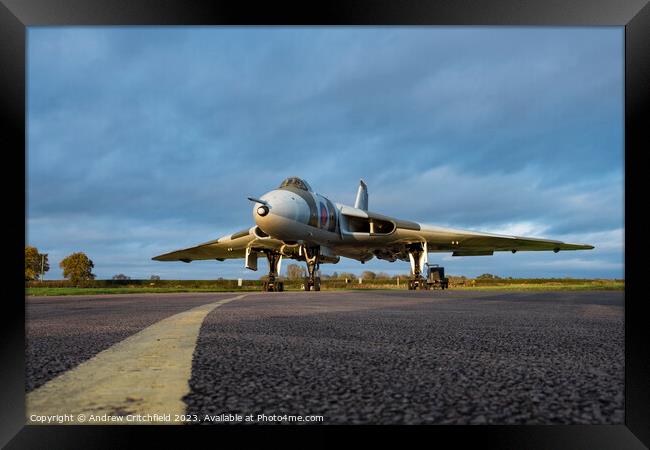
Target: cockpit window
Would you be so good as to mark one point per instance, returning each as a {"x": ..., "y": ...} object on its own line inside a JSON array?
[{"x": 297, "y": 183}]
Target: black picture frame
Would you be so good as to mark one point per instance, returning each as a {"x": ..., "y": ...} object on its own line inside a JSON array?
[{"x": 634, "y": 15}]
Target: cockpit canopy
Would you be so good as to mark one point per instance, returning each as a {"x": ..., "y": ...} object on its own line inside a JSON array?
[{"x": 297, "y": 183}]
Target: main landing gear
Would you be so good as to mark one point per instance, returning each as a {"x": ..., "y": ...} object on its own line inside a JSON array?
[
  {"x": 273, "y": 285},
  {"x": 312, "y": 257},
  {"x": 418, "y": 257}
]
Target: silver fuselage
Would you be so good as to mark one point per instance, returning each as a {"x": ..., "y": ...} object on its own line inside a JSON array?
[{"x": 297, "y": 216}]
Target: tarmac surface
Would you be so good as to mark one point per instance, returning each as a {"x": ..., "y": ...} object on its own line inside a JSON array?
[
  {"x": 61, "y": 332},
  {"x": 371, "y": 357}
]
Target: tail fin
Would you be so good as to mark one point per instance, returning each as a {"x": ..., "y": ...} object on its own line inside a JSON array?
[{"x": 362, "y": 197}]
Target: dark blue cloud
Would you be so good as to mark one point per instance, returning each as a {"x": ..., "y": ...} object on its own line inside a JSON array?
[{"x": 143, "y": 140}]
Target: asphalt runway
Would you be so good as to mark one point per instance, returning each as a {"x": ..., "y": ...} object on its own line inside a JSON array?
[
  {"x": 61, "y": 332},
  {"x": 367, "y": 357}
]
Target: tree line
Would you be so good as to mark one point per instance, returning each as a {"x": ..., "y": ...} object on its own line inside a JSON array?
[{"x": 76, "y": 267}]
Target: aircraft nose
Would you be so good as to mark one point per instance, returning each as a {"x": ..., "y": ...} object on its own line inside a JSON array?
[{"x": 280, "y": 204}]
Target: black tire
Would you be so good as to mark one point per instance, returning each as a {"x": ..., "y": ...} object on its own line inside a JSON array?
[
  {"x": 317, "y": 284},
  {"x": 280, "y": 286},
  {"x": 307, "y": 284}
]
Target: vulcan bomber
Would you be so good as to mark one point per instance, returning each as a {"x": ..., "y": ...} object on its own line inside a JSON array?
[{"x": 297, "y": 223}]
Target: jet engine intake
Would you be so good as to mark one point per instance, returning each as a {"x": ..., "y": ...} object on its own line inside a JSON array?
[{"x": 260, "y": 234}]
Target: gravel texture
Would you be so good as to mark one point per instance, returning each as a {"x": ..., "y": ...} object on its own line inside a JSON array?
[
  {"x": 62, "y": 332},
  {"x": 400, "y": 357}
]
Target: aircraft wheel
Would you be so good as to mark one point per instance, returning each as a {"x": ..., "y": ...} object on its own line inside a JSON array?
[
  {"x": 307, "y": 284},
  {"x": 280, "y": 287},
  {"x": 317, "y": 284}
]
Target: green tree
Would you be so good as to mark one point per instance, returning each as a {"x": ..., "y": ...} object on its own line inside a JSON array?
[
  {"x": 295, "y": 272},
  {"x": 77, "y": 267},
  {"x": 34, "y": 262},
  {"x": 157, "y": 278},
  {"x": 487, "y": 276},
  {"x": 121, "y": 276}
]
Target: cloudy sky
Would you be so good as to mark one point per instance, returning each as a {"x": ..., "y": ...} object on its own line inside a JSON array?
[{"x": 149, "y": 139}]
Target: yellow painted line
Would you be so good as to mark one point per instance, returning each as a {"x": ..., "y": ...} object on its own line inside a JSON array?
[{"x": 146, "y": 374}]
